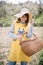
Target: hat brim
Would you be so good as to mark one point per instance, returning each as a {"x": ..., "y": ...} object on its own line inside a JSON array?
[{"x": 19, "y": 15}]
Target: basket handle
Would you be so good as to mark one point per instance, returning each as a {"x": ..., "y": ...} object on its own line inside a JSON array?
[{"x": 35, "y": 37}]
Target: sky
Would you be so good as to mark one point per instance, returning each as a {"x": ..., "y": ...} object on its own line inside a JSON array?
[{"x": 17, "y": 1}]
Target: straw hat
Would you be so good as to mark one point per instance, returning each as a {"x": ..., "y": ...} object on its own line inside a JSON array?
[{"x": 22, "y": 12}]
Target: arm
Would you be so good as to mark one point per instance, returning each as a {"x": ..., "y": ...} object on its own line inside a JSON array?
[
  {"x": 11, "y": 32},
  {"x": 29, "y": 33},
  {"x": 30, "y": 29}
]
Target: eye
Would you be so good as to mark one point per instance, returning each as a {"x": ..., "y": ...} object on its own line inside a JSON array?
[
  {"x": 23, "y": 29},
  {"x": 19, "y": 28}
]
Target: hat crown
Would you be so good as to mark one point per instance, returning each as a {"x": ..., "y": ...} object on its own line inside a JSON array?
[{"x": 24, "y": 10}]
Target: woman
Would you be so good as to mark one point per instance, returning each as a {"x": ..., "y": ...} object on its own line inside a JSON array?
[{"x": 18, "y": 32}]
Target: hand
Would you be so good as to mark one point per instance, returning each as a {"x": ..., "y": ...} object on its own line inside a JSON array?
[
  {"x": 32, "y": 21},
  {"x": 19, "y": 36}
]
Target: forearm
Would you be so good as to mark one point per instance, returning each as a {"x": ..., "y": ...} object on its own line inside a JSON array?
[
  {"x": 11, "y": 32},
  {"x": 12, "y": 35},
  {"x": 29, "y": 33}
]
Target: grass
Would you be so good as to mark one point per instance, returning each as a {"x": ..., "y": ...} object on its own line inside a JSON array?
[{"x": 40, "y": 19}]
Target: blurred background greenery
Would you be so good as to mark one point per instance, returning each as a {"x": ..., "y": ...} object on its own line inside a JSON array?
[{"x": 8, "y": 10}]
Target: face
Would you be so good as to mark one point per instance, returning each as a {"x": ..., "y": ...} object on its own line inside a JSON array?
[{"x": 23, "y": 18}]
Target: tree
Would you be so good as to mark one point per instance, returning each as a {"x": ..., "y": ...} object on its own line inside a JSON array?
[{"x": 40, "y": 9}]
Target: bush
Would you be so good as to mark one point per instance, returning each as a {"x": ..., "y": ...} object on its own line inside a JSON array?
[
  {"x": 1, "y": 24},
  {"x": 1, "y": 63},
  {"x": 6, "y": 25},
  {"x": 41, "y": 58},
  {"x": 38, "y": 24},
  {"x": 41, "y": 61}
]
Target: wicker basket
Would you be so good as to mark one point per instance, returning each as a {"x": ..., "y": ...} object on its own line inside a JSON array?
[{"x": 32, "y": 46}]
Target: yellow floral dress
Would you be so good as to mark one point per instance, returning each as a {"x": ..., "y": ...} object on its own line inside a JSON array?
[{"x": 16, "y": 53}]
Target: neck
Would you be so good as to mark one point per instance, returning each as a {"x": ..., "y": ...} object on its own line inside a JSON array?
[{"x": 22, "y": 22}]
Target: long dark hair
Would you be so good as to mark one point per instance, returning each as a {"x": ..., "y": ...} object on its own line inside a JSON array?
[{"x": 27, "y": 21}]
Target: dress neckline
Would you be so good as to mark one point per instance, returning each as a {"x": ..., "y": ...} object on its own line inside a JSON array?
[{"x": 22, "y": 22}]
